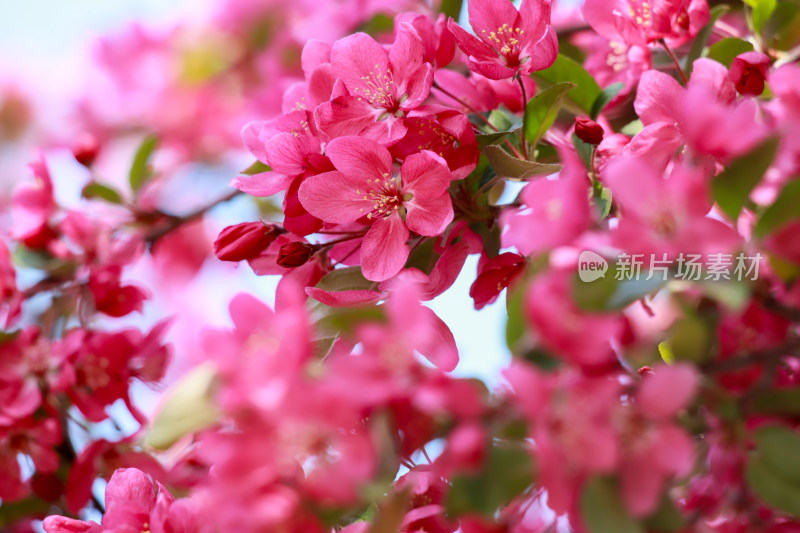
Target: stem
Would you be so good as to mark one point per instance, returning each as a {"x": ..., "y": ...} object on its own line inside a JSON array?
[
  {"x": 524, "y": 118},
  {"x": 675, "y": 60},
  {"x": 176, "y": 222},
  {"x": 478, "y": 114},
  {"x": 594, "y": 168}
]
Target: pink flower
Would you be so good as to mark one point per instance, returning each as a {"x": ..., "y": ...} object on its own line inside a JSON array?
[
  {"x": 556, "y": 211},
  {"x": 33, "y": 205},
  {"x": 612, "y": 62},
  {"x": 644, "y": 22},
  {"x": 510, "y": 42},
  {"x": 494, "y": 275},
  {"x": 382, "y": 86},
  {"x": 362, "y": 188}
]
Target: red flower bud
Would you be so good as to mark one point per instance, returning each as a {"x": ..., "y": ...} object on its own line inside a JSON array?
[
  {"x": 748, "y": 72},
  {"x": 294, "y": 254},
  {"x": 588, "y": 130},
  {"x": 244, "y": 241},
  {"x": 85, "y": 149}
]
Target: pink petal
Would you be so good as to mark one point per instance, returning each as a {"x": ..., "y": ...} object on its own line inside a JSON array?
[
  {"x": 425, "y": 175},
  {"x": 446, "y": 270},
  {"x": 315, "y": 53},
  {"x": 62, "y": 524},
  {"x": 487, "y": 16},
  {"x": 673, "y": 451},
  {"x": 249, "y": 314},
  {"x": 360, "y": 158},
  {"x": 263, "y": 184},
  {"x": 438, "y": 345},
  {"x": 431, "y": 216},
  {"x": 469, "y": 44},
  {"x": 286, "y": 152},
  {"x": 668, "y": 391},
  {"x": 384, "y": 251},
  {"x": 544, "y": 52},
  {"x": 641, "y": 485},
  {"x": 357, "y": 56},
  {"x": 334, "y": 197},
  {"x": 406, "y": 54},
  {"x": 130, "y": 486},
  {"x": 418, "y": 87},
  {"x": 658, "y": 98}
]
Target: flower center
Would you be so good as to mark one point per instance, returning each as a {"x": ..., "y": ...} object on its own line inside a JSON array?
[
  {"x": 506, "y": 41},
  {"x": 640, "y": 12},
  {"x": 379, "y": 89},
  {"x": 436, "y": 139},
  {"x": 385, "y": 194}
]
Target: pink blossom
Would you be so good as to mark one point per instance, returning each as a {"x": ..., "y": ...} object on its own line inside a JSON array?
[
  {"x": 509, "y": 42},
  {"x": 749, "y": 71},
  {"x": 494, "y": 275},
  {"x": 382, "y": 86},
  {"x": 362, "y": 188}
]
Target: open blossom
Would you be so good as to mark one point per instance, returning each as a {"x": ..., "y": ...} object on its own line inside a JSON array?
[
  {"x": 509, "y": 42},
  {"x": 364, "y": 188},
  {"x": 644, "y": 22},
  {"x": 381, "y": 86}
]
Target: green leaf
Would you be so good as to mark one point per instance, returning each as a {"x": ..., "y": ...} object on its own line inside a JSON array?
[
  {"x": 140, "y": 170},
  {"x": 779, "y": 448},
  {"x": 542, "y": 109},
  {"x": 503, "y": 119},
  {"x": 189, "y": 407},
  {"x": 732, "y": 188},
  {"x": 95, "y": 190},
  {"x": 602, "y": 509},
  {"x": 667, "y": 518},
  {"x": 610, "y": 294},
  {"x": 632, "y": 128},
  {"x": 379, "y": 24},
  {"x": 777, "y": 402},
  {"x": 782, "y": 211},
  {"x": 507, "y": 166},
  {"x": 493, "y": 138},
  {"x": 584, "y": 151},
  {"x": 256, "y": 168},
  {"x": 602, "y": 199},
  {"x": 762, "y": 11},
  {"x": 515, "y": 325},
  {"x": 702, "y": 38},
  {"x": 771, "y": 488},
  {"x": 507, "y": 472},
  {"x": 726, "y": 50},
  {"x": 566, "y": 69},
  {"x": 345, "y": 279},
  {"x": 604, "y": 98},
  {"x": 451, "y": 8},
  {"x": 689, "y": 338}
]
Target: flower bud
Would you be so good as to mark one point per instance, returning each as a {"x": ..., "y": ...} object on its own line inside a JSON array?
[
  {"x": 244, "y": 241},
  {"x": 294, "y": 254},
  {"x": 588, "y": 130},
  {"x": 85, "y": 149},
  {"x": 748, "y": 72}
]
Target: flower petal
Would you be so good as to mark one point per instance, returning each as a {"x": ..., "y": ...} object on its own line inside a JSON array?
[{"x": 384, "y": 251}]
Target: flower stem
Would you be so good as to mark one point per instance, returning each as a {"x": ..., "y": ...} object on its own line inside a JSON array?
[
  {"x": 524, "y": 118},
  {"x": 675, "y": 60}
]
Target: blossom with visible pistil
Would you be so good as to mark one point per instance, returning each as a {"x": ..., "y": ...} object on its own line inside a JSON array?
[
  {"x": 510, "y": 42},
  {"x": 364, "y": 188}
]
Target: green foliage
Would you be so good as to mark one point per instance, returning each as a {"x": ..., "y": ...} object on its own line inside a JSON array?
[
  {"x": 726, "y": 50},
  {"x": 94, "y": 190},
  {"x": 777, "y": 402},
  {"x": 761, "y": 12},
  {"x": 345, "y": 279},
  {"x": 256, "y": 168},
  {"x": 779, "y": 448},
  {"x": 771, "y": 486},
  {"x": 702, "y": 38},
  {"x": 507, "y": 472},
  {"x": 507, "y": 166},
  {"x": 564, "y": 69},
  {"x": 140, "y": 169},
  {"x": 781, "y": 212},
  {"x": 451, "y": 8},
  {"x": 604, "y": 98},
  {"x": 667, "y": 518},
  {"x": 542, "y": 109},
  {"x": 690, "y": 338},
  {"x": 732, "y": 188},
  {"x": 610, "y": 294},
  {"x": 602, "y": 509}
]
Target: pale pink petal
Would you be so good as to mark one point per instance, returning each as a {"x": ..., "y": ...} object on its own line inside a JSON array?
[
  {"x": 130, "y": 486},
  {"x": 360, "y": 158},
  {"x": 345, "y": 298},
  {"x": 487, "y": 16},
  {"x": 438, "y": 345},
  {"x": 334, "y": 197},
  {"x": 315, "y": 53},
  {"x": 668, "y": 391},
  {"x": 249, "y": 314},
  {"x": 641, "y": 485},
  {"x": 356, "y": 56},
  {"x": 263, "y": 184},
  {"x": 658, "y": 98},
  {"x": 673, "y": 451}
]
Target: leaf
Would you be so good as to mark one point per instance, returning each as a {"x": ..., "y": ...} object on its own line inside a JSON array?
[
  {"x": 584, "y": 151},
  {"x": 256, "y": 168},
  {"x": 507, "y": 166},
  {"x": 667, "y": 518},
  {"x": 542, "y": 109},
  {"x": 604, "y": 98},
  {"x": 602, "y": 509},
  {"x": 94, "y": 190},
  {"x": 702, "y": 38},
  {"x": 610, "y": 294},
  {"x": 689, "y": 339},
  {"x": 496, "y": 137},
  {"x": 632, "y": 128},
  {"x": 779, "y": 448},
  {"x": 602, "y": 199},
  {"x": 777, "y": 402},
  {"x": 507, "y": 472},
  {"x": 451, "y": 8},
  {"x": 379, "y": 24},
  {"x": 345, "y": 279},
  {"x": 731, "y": 189},
  {"x": 391, "y": 513},
  {"x": 515, "y": 325},
  {"x": 771, "y": 488},
  {"x": 566, "y": 69},
  {"x": 726, "y": 50},
  {"x": 782, "y": 211},
  {"x": 140, "y": 169},
  {"x": 189, "y": 407},
  {"x": 762, "y": 11}
]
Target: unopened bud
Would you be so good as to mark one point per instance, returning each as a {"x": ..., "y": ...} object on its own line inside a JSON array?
[
  {"x": 244, "y": 241},
  {"x": 294, "y": 254},
  {"x": 646, "y": 371},
  {"x": 85, "y": 149},
  {"x": 588, "y": 130},
  {"x": 748, "y": 72}
]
